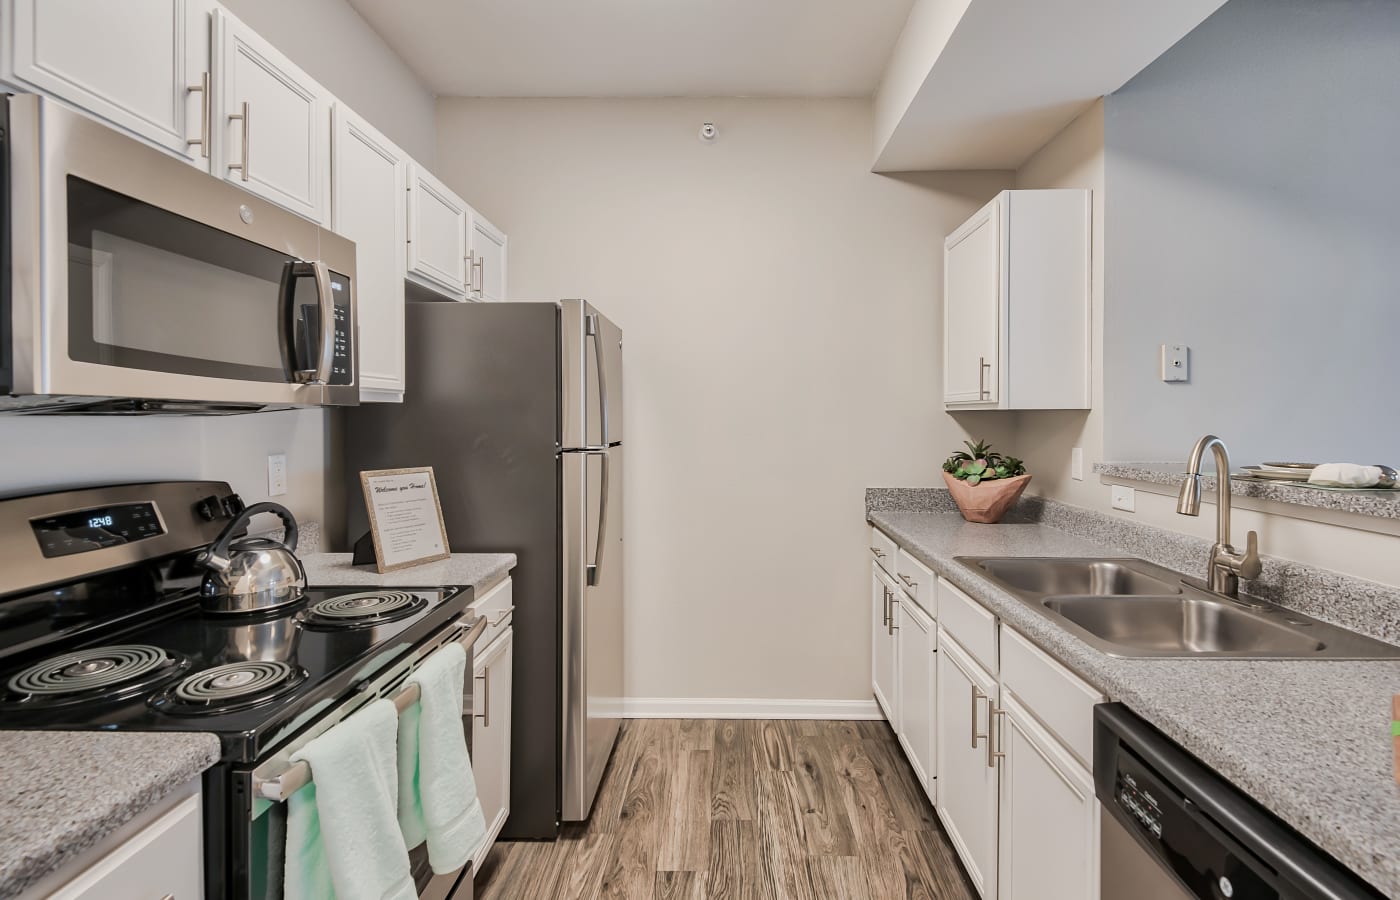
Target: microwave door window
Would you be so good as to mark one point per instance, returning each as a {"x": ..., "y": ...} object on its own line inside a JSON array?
[{"x": 148, "y": 289}]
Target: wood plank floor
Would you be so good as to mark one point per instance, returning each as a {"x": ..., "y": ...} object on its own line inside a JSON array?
[{"x": 759, "y": 810}]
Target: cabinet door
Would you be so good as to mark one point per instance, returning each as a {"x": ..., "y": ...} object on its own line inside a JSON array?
[
  {"x": 368, "y": 178},
  {"x": 917, "y": 638},
  {"x": 165, "y": 859},
  {"x": 273, "y": 124},
  {"x": 882, "y": 645},
  {"x": 491, "y": 735},
  {"x": 132, "y": 63},
  {"x": 437, "y": 235},
  {"x": 972, "y": 291},
  {"x": 487, "y": 256},
  {"x": 1049, "y": 843},
  {"x": 967, "y": 774}
]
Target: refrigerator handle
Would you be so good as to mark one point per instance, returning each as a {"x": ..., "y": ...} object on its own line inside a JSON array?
[
  {"x": 591, "y": 328},
  {"x": 597, "y": 564}
]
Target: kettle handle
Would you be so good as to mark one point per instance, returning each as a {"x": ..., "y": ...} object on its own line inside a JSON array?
[{"x": 216, "y": 557}]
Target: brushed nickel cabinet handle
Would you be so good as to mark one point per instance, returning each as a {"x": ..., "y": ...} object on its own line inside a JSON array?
[
  {"x": 893, "y": 627},
  {"x": 879, "y": 554},
  {"x": 994, "y": 752},
  {"x": 479, "y": 267},
  {"x": 905, "y": 579},
  {"x": 982, "y": 367},
  {"x": 504, "y": 615},
  {"x": 485, "y": 714},
  {"x": 885, "y": 605},
  {"x": 242, "y": 116},
  {"x": 204, "y": 123},
  {"x": 470, "y": 260},
  {"x": 977, "y": 695}
]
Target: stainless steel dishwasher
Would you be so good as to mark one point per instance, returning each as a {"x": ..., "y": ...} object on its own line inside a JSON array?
[{"x": 1187, "y": 832}]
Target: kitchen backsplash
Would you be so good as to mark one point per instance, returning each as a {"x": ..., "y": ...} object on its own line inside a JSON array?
[{"x": 1363, "y": 606}]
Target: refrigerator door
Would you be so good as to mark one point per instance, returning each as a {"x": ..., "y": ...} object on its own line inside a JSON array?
[
  {"x": 592, "y": 622},
  {"x": 592, "y": 377}
]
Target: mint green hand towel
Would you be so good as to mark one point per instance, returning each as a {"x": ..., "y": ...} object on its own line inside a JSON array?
[{"x": 437, "y": 791}]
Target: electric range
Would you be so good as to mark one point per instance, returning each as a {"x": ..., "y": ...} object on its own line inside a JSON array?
[{"x": 112, "y": 636}]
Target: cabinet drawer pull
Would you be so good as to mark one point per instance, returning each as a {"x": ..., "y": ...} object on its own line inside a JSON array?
[
  {"x": 994, "y": 752},
  {"x": 485, "y": 714},
  {"x": 906, "y": 580},
  {"x": 242, "y": 116},
  {"x": 506, "y": 614},
  {"x": 977, "y": 695},
  {"x": 204, "y": 123},
  {"x": 879, "y": 554}
]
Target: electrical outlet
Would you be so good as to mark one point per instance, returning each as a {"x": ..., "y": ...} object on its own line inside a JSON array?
[
  {"x": 277, "y": 474},
  {"x": 1176, "y": 362},
  {"x": 1076, "y": 464},
  {"x": 1124, "y": 498}
]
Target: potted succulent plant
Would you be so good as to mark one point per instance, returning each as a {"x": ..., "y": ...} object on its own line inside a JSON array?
[{"x": 984, "y": 483}]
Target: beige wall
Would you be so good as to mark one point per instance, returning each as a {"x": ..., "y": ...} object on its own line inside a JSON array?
[
  {"x": 780, "y": 310},
  {"x": 336, "y": 47},
  {"x": 1076, "y": 158}
]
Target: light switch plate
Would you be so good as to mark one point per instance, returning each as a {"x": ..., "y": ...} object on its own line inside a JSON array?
[
  {"x": 1124, "y": 498},
  {"x": 1176, "y": 362},
  {"x": 277, "y": 474},
  {"x": 1076, "y": 464}
]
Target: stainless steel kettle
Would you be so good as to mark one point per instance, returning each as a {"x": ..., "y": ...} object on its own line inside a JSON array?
[{"x": 250, "y": 575}]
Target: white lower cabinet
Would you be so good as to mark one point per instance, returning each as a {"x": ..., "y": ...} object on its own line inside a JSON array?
[
  {"x": 164, "y": 859},
  {"x": 917, "y": 639},
  {"x": 1049, "y": 838},
  {"x": 491, "y": 703},
  {"x": 967, "y": 770},
  {"x": 883, "y": 649}
]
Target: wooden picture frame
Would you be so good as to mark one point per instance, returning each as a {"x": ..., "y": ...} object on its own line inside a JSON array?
[{"x": 402, "y": 522}]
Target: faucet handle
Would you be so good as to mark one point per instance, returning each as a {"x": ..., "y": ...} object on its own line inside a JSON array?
[{"x": 1250, "y": 564}]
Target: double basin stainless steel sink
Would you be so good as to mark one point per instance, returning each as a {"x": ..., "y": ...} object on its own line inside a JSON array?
[{"x": 1133, "y": 608}]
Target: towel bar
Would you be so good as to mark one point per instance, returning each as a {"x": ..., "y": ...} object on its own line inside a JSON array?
[{"x": 297, "y": 775}]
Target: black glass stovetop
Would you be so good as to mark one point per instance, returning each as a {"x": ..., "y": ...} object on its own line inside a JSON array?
[{"x": 306, "y": 663}]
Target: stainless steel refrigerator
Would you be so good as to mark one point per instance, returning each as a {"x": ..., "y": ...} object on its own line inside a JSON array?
[{"x": 518, "y": 409}]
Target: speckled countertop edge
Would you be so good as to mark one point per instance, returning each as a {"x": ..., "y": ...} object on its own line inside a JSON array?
[
  {"x": 476, "y": 570},
  {"x": 1381, "y": 504},
  {"x": 62, "y": 792},
  {"x": 1307, "y": 739}
]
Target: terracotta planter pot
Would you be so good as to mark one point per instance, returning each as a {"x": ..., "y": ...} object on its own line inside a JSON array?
[{"x": 987, "y": 501}]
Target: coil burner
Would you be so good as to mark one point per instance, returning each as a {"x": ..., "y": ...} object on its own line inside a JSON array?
[
  {"x": 362, "y": 610},
  {"x": 229, "y": 687},
  {"x": 98, "y": 673}
]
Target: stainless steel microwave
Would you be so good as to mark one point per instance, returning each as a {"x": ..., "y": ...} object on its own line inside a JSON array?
[{"x": 131, "y": 282}]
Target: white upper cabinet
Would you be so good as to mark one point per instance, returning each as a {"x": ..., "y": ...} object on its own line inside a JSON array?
[
  {"x": 1016, "y": 304},
  {"x": 272, "y": 122},
  {"x": 438, "y": 227},
  {"x": 369, "y": 175},
  {"x": 487, "y": 257},
  {"x": 142, "y": 65}
]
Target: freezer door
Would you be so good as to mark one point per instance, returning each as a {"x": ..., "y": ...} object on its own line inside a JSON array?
[
  {"x": 592, "y": 622},
  {"x": 592, "y": 377}
]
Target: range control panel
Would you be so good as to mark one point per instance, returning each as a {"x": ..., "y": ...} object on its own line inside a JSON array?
[{"x": 93, "y": 529}]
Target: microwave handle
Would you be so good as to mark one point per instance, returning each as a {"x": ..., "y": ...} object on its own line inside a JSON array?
[{"x": 293, "y": 270}]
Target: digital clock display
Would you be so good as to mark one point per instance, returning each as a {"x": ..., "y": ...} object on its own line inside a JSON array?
[{"x": 94, "y": 529}]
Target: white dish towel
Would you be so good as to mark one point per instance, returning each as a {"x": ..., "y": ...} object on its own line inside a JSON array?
[
  {"x": 343, "y": 837},
  {"x": 437, "y": 791},
  {"x": 1345, "y": 475}
]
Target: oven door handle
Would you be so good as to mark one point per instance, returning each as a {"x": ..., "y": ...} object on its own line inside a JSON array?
[{"x": 294, "y": 776}]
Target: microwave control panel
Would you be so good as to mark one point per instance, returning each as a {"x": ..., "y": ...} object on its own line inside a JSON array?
[{"x": 342, "y": 358}]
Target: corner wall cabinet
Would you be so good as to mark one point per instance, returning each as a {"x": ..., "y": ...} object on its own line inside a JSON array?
[
  {"x": 1016, "y": 304},
  {"x": 438, "y": 231},
  {"x": 1010, "y": 734}
]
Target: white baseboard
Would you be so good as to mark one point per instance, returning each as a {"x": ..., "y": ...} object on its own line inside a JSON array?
[{"x": 740, "y": 708}]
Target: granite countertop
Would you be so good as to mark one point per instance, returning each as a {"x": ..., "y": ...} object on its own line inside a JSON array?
[
  {"x": 1382, "y": 503},
  {"x": 1308, "y": 739},
  {"x": 62, "y": 792},
  {"x": 477, "y": 570}
]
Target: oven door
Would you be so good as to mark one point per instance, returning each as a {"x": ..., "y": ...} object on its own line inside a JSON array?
[
  {"x": 136, "y": 276},
  {"x": 246, "y": 835}
]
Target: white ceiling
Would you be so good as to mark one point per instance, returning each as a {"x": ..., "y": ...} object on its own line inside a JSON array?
[{"x": 642, "y": 48}]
